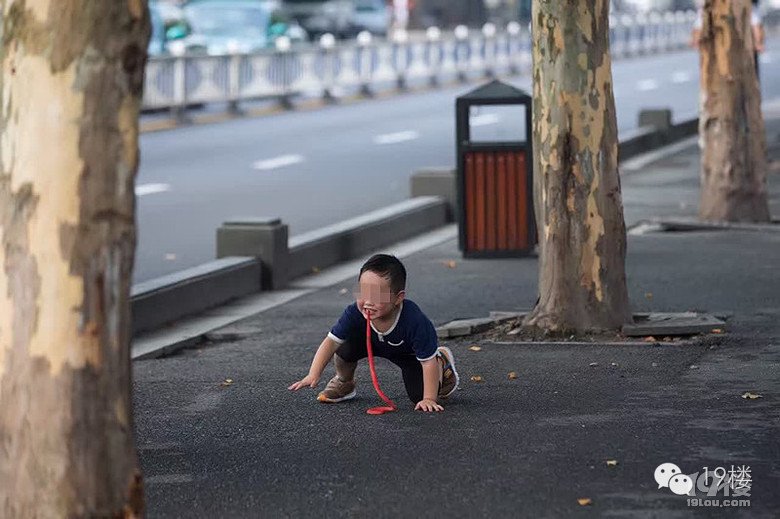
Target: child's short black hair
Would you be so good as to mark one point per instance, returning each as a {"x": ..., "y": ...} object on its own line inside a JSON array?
[{"x": 389, "y": 267}]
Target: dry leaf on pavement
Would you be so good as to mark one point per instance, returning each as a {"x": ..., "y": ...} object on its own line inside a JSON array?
[
  {"x": 717, "y": 330},
  {"x": 584, "y": 501},
  {"x": 476, "y": 378},
  {"x": 649, "y": 338},
  {"x": 612, "y": 463},
  {"x": 475, "y": 348},
  {"x": 512, "y": 375},
  {"x": 343, "y": 291},
  {"x": 593, "y": 364},
  {"x": 752, "y": 396},
  {"x": 648, "y": 295},
  {"x": 450, "y": 264},
  {"x": 227, "y": 382}
]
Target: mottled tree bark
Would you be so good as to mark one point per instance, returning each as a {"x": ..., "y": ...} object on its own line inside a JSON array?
[
  {"x": 579, "y": 209},
  {"x": 71, "y": 89},
  {"x": 731, "y": 126}
]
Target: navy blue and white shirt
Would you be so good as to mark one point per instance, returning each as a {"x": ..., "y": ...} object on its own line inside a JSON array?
[{"x": 412, "y": 332}]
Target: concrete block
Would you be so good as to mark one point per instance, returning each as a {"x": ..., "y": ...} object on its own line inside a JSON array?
[
  {"x": 670, "y": 324},
  {"x": 436, "y": 182},
  {"x": 263, "y": 238},
  {"x": 461, "y": 327},
  {"x": 168, "y": 298},
  {"x": 660, "y": 119},
  {"x": 501, "y": 316}
]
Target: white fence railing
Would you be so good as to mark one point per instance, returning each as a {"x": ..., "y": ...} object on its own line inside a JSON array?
[{"x": 368, "y": 66}]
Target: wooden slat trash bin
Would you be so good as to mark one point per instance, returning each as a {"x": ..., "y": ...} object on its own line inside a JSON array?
[{"x": 495, "y": 189}]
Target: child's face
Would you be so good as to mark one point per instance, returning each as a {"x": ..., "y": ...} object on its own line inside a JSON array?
[{"x": 376, "y": 296}]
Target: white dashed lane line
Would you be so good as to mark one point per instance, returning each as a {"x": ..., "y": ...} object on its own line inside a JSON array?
[
  {"x": 646, "y": 85},
  {"x": 278, "y": 162},
  {"x": 681, "y": 77},
  {"x": 150, "y": 189},
  {"x": 395, "y": 138}
]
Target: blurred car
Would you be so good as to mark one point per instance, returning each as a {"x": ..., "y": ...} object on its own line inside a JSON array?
[
  {"x": 318, "y": 17},
  {"x": 157, "y": 42},
  {"x": 170, "y": 37},
  {"x": 372, "y": 16},
  {"x": 239, "y": 26}
]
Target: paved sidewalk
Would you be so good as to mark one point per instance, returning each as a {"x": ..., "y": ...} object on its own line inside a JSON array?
[{"x": 528, "y": 447}]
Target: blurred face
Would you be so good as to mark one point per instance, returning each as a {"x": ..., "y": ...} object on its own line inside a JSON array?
[{"x": 374, "y": 295}]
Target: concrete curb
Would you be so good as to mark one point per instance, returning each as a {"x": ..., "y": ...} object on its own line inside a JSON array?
[
  {"x": 663, "y": 324},
  {"x": 160, "y": 301},
  {"x": 692, "y": 224}
]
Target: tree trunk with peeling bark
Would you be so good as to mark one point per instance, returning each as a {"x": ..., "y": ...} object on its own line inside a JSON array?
[
  {"x": 577, "y": 198},
  {"x": 71, "y": 90},
  {"x": 731, "y": 126}
]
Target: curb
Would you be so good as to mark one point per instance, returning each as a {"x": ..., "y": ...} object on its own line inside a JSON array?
[{"x": 692, "y": 224}]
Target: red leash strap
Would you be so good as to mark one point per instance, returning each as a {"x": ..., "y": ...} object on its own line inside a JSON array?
[{"x": 391, "y": 405}]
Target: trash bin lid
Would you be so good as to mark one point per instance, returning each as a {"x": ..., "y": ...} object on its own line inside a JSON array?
[{"x": 496, "y": 92}]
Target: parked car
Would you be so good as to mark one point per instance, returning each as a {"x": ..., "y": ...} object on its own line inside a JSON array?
[
  {"x": 239, "y": 26},
  {"x": 171, "y": 36},
  {"x": 318, "y": 17},
  {"x": 372, "y": 16}
]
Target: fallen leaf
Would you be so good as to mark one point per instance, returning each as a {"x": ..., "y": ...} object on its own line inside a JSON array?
[
  {"x": 612, "y": 463},
  {"x": 614, "y": 364},
  {"x": 648, "y": 295},
  {"x": 649, "y": 338},
  {"x": 693, "y": 366},
  {"x": 475, "y": 348},
  {"x": 752, "y": 396},
  {"x": 584, "y": 501},
  {"x": 515, "y": 331},
  {"x": 227, "y": 382},
  {"x": 343, "y": 291},
  {"x": 593, "y": 364},
  {"x": 512, "y": 375},
  {"x": 476, "y": 378},
  {"x": 450, "y": 264},
  {"x": 717, "y": 330}
]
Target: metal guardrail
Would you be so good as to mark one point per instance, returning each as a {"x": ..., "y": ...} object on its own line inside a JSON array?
[{"x": 366, "y": 66}]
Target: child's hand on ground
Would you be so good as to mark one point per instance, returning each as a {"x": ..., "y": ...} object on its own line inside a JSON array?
[
  {"x": 428, "y": 406},
  {"x": 308, "y": 380}
]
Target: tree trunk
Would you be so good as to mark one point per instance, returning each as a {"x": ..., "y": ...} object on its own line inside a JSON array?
[
  {"x": 71, "y": 89},
  {"x": 731, "y": 126},
  {"x": 579, "y": 209}
]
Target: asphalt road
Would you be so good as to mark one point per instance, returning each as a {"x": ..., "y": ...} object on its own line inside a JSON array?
[
  {"x": 528, "y": 447},
  {"x": 313, "y": 168}
]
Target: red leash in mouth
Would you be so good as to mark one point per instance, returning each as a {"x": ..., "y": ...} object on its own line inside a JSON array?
[{"x": 382, "y": 409}]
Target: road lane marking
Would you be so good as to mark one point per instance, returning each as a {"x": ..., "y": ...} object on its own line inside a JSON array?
[
  {"x": 395, "y": 138},
  {"x": 277, "y": 162},
  {"x": 646, "y": 85},
  {"x": 150, "y": 189},
  {"x": 681, "y": 77},
  {"x": 484, "y": 120}
]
